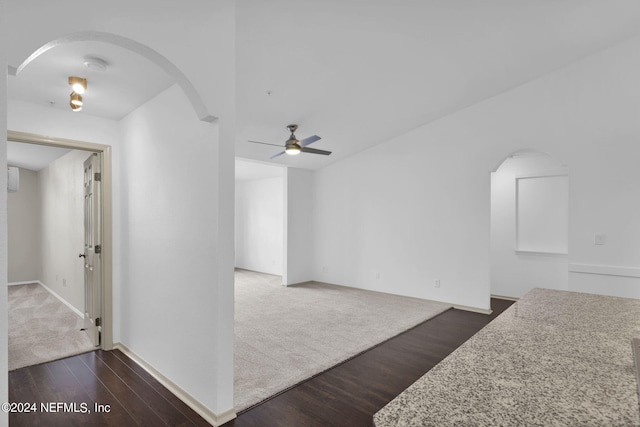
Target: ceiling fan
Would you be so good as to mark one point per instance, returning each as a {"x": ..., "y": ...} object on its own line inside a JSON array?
[{"x": 293, "y": 146}]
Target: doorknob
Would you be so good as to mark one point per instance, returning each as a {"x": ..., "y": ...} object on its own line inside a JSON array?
[{"x": 81, "y": 255}]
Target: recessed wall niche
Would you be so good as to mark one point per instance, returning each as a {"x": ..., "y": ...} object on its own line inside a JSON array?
[
  {"x": 542, "y": 213},
  {"x": 529, "y": 224}
]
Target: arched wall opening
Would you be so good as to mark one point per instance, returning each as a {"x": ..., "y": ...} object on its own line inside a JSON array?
[
  {"x": 165, "y": 248},
  {"x": 145, "y": 51},
  {"x": 58, "y": 133},
  {"x": 529, "y": 224}
]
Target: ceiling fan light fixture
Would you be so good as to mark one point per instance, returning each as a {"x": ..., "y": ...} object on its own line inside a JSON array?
[
  {"x": 292, "y": 150},
  {"x": 78, "y": 84},
  {"x": 293, "y": 146}
]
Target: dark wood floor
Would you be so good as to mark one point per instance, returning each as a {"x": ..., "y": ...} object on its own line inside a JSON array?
[
  {"x": 346, "y": 395},
  {"x": 131, "y": 396},
  {"x": 349, "y": 394}
]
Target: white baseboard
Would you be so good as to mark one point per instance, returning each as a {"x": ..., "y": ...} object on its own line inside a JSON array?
[
  {"x": 26, "y": 282},
  {"x": 459, "y": 307},
  {"x": 75, "y": 310},
  {"x": 179, "y": 392},
  {"x": 52, "y": 292},
  {"x": 504, "y": 297}
]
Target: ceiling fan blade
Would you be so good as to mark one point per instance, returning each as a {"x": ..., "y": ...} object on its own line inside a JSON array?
[
  {"x": 314, "y": 151},
  {"x": 276, "y": 155},
  {"x": 266, "y": 143},
  {"x": 309, "y": 140}
]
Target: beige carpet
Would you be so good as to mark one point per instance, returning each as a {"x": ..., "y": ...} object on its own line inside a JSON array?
[
  {"x": 41, "y": 328},
  {"x": 284, "y": 335}
]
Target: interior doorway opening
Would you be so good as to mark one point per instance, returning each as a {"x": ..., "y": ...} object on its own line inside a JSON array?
[
  {"x": 529, "y": 224},
  {"x": 83, "y": 150}
]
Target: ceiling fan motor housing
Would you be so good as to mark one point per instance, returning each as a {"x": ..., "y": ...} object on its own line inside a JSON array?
[{"x": 292, "y": 142}]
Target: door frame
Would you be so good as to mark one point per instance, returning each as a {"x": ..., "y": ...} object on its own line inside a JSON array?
[{"x": 107, "y": 238}]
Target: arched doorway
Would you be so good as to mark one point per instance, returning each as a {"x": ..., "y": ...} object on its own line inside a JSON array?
[
  {"x": 204, "y": 144},
  {"x": 529, "y": 224},
  {"x": 55, "y": 57}
]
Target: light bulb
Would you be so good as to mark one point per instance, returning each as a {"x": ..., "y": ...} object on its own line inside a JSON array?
[
  {"x": 76, "y": 99},
  {"x": 78, "y": 84},
  {"x": 78, "y": 88},
  {"x": 75, "y": 107},
  {"x": 292, "y": 150}
]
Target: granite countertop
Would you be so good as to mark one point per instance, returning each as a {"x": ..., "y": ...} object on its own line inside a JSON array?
[{"x": 554, "y": 358}]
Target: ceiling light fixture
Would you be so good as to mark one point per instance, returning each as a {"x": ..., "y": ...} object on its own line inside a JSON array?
[
  {"x": 75, "y": 101},
  {"x": 78, "y": 84},
  {"x": 75, "y": 107}
]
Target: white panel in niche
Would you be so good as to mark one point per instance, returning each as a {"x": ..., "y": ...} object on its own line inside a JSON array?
[{"x": 542, "y": 214}]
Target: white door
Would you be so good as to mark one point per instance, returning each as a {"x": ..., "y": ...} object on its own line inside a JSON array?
[{"x": 92, "y": 248}]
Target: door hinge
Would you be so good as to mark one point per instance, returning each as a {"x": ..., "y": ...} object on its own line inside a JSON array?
[
  {"x": 98, "y": 321},
  {"x": 97, "y": 249},
  {"x": 97, "y": 176}
]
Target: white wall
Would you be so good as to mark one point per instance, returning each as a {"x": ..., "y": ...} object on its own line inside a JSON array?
[
  {"x": 604, "y": 197},
  {"x": 46, "y": 231},
  {"x": 43, "y": 120},
  {"x": 299, "y": 219},
  {"x": 170, "y": 240},
  {"x": 416, "y": 208},
  {"x": 259, "y": 219},
  {"x": 4, "y": 343},
  {"x": 396, "y": 220},
  {"x": 62, "y": 226},
  {"x": 23, "y": 218},
  {"x": 514, "y": 274}
]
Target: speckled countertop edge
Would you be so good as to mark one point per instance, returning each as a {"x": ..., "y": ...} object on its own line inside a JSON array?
[{"x": 552, "y": 358}]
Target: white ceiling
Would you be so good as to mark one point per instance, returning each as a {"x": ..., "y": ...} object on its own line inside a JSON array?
[
  {"x": 129, "y": 81},
  {"x": 359, "y": 72},
  {"x": 355, "y": 72},
  {"x": 32, "y": 156}
]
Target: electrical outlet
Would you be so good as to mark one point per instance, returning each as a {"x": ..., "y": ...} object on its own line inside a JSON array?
[
  {"x": 437, "y": 283},
  {"x": 378, "y": 275},
  {"x": 600, "y": 239},
  {"x": 325, "y": 269}
]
